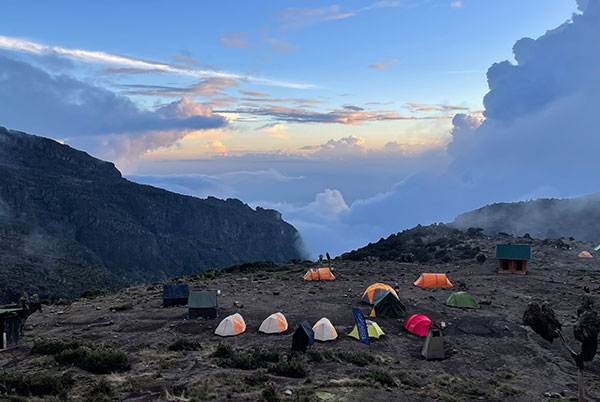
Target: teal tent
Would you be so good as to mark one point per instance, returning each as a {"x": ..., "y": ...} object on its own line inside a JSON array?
[
  {"x": 202, "y": 304},
  {"x": 461, "y": 299},
  {"x": 597, "y": 249}
]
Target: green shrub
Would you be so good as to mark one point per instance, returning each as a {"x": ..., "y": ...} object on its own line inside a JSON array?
[
  {"x": 382, "y": 377},
  {"x": 258, "y": 378},
  {"x": 292, "y": 368},
  {"x": 35, "y": 385},
  {"x": 223, "y": 351},
  {"x": 269, "y": 394},
  {"x": 99, "y": 361},
  {"x": 44, "y": 346},
  {"x": 250, "y": 359},
  {"x": 360, "y": 359},
  {"x": 102, "y": 391},
  {"x": 185, "y": 344},
  {"x": 94, "y": 293}
]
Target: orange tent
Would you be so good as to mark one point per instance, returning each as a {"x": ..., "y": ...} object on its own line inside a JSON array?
[
  {"x": 585, "y": 254},
  {"x": 319, "y": 274},
  {"x": 375, "y": 291},
  {"x": 433, "y": 281}
]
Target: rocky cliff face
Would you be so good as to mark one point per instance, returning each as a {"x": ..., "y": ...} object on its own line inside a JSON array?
[
  {"x": 542, "y": 218},
  {"x": 70, "y": 222}
]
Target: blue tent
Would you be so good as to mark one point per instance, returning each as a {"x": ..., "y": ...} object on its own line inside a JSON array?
[
  {"x": 303, "y": 337},
  {"x": 175, "y": 295}
]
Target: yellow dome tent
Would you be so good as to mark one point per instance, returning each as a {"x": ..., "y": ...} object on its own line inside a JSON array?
[{"x": 373, "y": 330}]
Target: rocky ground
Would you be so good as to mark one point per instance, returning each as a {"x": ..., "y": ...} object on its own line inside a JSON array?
[{"x": 491, "y": 355}]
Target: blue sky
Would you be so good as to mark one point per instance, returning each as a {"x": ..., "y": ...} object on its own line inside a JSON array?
[{"x": 314, "y": 108}]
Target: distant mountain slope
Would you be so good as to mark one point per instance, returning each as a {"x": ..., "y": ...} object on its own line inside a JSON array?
[
  {"x": 542, "y": 218},
  {"x": 436, "y": 243},
  {"x": 70, "y": 222}
]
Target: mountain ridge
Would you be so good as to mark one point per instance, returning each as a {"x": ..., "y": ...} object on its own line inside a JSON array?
[{"x": 65, "y": 214}]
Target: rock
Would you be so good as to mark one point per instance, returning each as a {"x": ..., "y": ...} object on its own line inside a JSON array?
[
  {"x": 552, "y": 395},
  {"x": 238, "y": 304},
  {"x": 288, "y": 392}
]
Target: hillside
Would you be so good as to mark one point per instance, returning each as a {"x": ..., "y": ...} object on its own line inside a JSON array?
[
  {"x": 69, "y": 222},
  {"x": 491, "y": 356},
  {"x": 541, "y": 218}
]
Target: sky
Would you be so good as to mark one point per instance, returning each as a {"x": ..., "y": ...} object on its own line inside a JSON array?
[{"x": 355, "y": 119}]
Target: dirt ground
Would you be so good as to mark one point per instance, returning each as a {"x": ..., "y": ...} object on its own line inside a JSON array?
[{"x": 491, "y": 356}]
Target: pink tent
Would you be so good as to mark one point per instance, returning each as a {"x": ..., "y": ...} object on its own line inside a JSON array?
[{"x": 418, "y": 324}]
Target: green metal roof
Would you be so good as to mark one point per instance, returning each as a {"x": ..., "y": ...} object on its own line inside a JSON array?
[
  {"x": 513, "y": 252},
  {"x": 9, "y": 310}
]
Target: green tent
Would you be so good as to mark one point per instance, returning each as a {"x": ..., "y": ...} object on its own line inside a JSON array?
[
  {"x": 462, "y": 299},
  {"x": 202, "y": 304},
  {"x": 388, "y": 306},
  {"x": 597, "y": 249}
]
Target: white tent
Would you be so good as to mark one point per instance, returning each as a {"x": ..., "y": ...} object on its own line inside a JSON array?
[
  {"x": 324, "y": 330},
  {"x": 231, "y": 325},
  {"x": 274, "y": 324}
]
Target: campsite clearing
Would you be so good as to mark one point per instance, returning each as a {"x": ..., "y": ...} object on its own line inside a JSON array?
[{"x": 490, "y": 355}]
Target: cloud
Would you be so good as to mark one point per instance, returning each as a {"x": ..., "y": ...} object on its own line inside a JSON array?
[
  {"x": 539, "y": 138},
  {"x": 337, "y": 116},
  {"x": 206, "y": 87},
  {"x": 456, "y": 4},
  {"x": 235, "y": 39},
  {"x": 384, "y": 64},
  {"x": 278, "y": 131},
  {"x": 280, "y": 46},
  {"x": 300, "y": 17},
  {"x": 60, "y": 106},
  {"x": 103, "y": 58},
  {"x": 254, "y": 93},
  {"x": 420, "y": 107}
]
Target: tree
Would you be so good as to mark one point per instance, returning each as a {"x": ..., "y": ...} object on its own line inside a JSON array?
[{"x": 544, "y": 322}]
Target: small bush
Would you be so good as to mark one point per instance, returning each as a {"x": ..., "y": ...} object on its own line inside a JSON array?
[
  {"x": 251, "y": 359},
  {"x": 382, "y": 377},
  {"x": 292, "y": 368},
  {"x": 94, "y": 293},
  {"x": 102, "y": 391},
  {"x": 258, "y": 378},
  {"x": 481, "y": 258},
  {"x": 360, "y": 359},
  {"x": 52, "y": 347},
  {"x": 95, "y": 361},
  {"x": 269, "y": 394},
  {"x": 223, "y": 351},
  {"x": 35, "y": 385},
  {"x": 185, "y": 344}
]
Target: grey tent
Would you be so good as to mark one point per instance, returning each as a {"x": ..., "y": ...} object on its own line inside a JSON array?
[
  {"x": 433, "y": 348},
  {"x": 202, "y": 304},
  {"x": 10, "y": 327},
  {"x": 175, "y": 295}
]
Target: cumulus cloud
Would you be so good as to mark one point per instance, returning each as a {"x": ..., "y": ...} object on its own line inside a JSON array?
[
  {"x": 278, "y": 131},
  {"x": 538, "y": 138},
  {"x": 66, "y": 107},
  {"x": 456, "y": 4}
]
